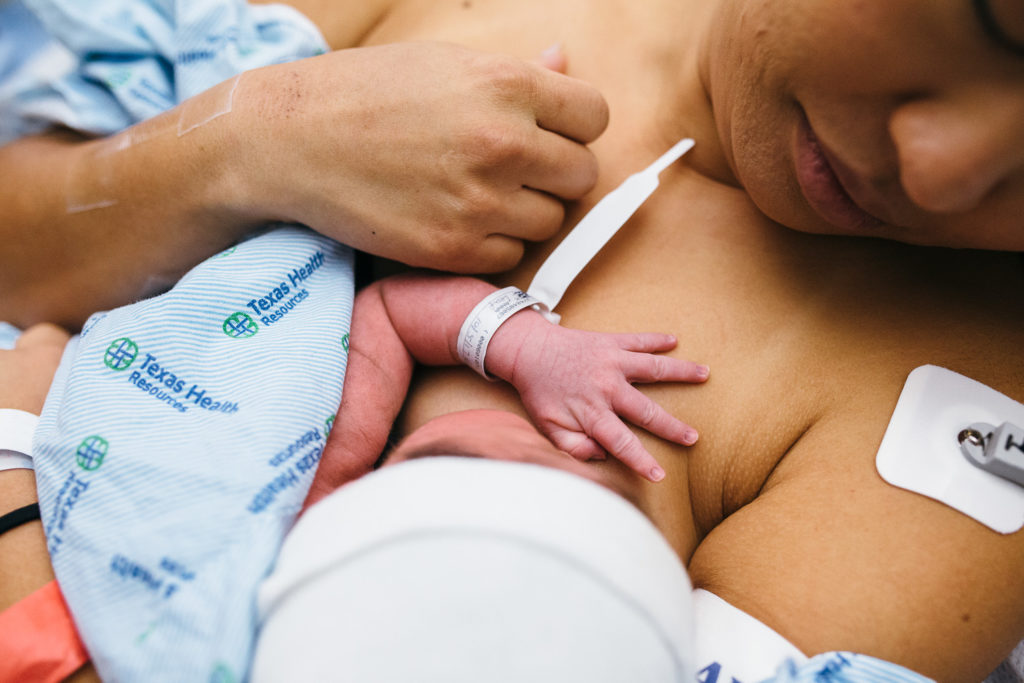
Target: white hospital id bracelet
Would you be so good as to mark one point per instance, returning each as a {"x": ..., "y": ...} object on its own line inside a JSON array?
[
  {"x": 484, "y": 320},
  {"x": 16, "y": 430}
]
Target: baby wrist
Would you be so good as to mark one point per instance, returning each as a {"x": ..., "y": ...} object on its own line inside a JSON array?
[{"x": 483, "y": 322}]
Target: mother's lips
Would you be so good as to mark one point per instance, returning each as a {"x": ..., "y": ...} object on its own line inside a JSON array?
[{"x": 822, "y": 188}]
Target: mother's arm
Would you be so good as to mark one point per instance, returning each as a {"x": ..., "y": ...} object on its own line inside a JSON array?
[{"x": 429, "y": 154}]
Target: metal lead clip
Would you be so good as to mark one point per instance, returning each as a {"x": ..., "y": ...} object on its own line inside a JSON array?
[{"x": 997, "y": 450}]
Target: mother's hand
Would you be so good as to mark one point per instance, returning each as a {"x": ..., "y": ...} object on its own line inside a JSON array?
[{"x": 426, "y": 153}]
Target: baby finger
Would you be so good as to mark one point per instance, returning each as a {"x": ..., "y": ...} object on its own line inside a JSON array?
[
  {"x": 622, "y": 443},
  {"x": 644, "y": 412},
  {"x": 576, "y": 444},
  {"x": 644, "y": 367}
]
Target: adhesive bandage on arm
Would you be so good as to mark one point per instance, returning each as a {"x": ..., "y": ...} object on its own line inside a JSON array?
[
  {"x": 16, "y": 430},
  {"x": 484, "y": 320}
]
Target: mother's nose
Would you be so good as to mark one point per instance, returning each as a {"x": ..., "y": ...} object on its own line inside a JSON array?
[{"x": 955, "y": 149}]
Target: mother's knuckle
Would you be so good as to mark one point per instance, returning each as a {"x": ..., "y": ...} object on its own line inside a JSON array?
[{"x": 495, "y": 144}]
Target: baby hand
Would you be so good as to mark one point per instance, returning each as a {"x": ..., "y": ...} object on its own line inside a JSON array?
[{"x": 577, "y": 388}]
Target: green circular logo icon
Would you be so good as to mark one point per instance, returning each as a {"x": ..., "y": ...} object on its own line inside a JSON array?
[
  {"x": 240, "y": 326},
  {"x": 91, "y": 452},
  {"x": 222, "y": 674},
  {"x": 120, "y": 354},
  {"x": 118, "y": 77}
]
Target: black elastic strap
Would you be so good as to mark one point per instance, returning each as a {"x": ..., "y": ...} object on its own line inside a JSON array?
[{"x": 16, "y": 518}]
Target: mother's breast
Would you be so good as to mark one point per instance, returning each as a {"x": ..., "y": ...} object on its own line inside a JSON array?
[
  {"x": 805, "y": 335},
  {"x": 698, "y": 262}
]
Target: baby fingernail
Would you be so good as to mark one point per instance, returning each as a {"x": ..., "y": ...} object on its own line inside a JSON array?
[
  {"x": 690, "y": 437},
  {"x": 657, "y": 474},
  {"x": 552, "y": 51},
  {"x": 703, "y": 371}
]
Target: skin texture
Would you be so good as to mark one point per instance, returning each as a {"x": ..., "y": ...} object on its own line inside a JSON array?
[{"x": 920, "y": 113}]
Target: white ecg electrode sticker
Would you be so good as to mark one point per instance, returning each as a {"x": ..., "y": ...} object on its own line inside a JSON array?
[{"x": 921, "y": 451}]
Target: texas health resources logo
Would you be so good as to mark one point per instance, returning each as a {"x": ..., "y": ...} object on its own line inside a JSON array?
[
  {"x": 91, "y": 452},
  {"x": 240, "y": 326},
  {"x": 121, "y": 354},
  {"x": 276, "y": 301},
  {"x": 163, "y": 382}
]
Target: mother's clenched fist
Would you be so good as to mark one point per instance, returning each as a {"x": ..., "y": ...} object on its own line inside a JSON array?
[{"x": 426, "y": 153}]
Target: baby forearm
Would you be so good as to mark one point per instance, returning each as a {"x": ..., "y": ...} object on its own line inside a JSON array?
[
  {"x": 376, "y": 381},
  {"x": 427, "y": 312}
]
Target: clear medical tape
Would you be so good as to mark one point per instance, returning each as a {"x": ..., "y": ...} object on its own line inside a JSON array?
[
  {"x": 91, "y": 180},
  {"x": 214, "y": 103},
  {"x": 89, "y": 183}
]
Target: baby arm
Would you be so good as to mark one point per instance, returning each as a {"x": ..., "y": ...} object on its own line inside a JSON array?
[
  {"x": 575, "y": 385},
  {"x": 376, "y": 381}
]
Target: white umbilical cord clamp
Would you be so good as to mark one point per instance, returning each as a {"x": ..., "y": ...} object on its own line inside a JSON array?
[{"x": 484, "y": 320}]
